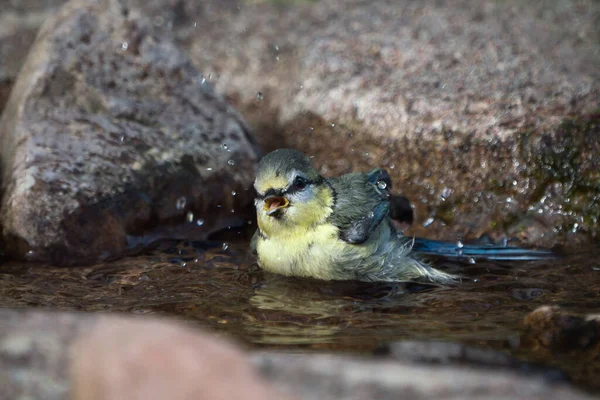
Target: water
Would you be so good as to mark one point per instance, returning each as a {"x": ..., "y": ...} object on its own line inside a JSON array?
[{"x": 218, "y": 287}]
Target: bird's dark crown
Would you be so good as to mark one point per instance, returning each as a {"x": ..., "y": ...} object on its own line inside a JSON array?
[{"x": 281, "y": 163}]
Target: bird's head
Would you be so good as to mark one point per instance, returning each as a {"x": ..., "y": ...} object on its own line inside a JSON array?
[{"x": 290, "y": 193}]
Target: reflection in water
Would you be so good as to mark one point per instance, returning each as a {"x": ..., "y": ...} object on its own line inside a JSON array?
[{"x": 221, "y": 289}]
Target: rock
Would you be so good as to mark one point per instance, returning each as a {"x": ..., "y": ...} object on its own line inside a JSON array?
[
  {"x": 129, "y": 359},
  {"x": 58, "y": 355},
  {"x": 111, "y": 138},
  {"x": 559, "y": 337},
  {"x": 52, "y": 356},
  {"x": 448, "y": 353},
  {"x": 327, "y": 377},
  {"x": 34, "y": 356},
  {"x": 485, "y": 112},
  {"x": 554, "y": 328},
  {"x": 19, "y": 23}
]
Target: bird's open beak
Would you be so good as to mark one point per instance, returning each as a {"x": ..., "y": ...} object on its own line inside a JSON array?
[{"x": 274, "y": 203}]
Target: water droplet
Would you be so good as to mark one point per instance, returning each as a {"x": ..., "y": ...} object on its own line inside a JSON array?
[
  {"x": 276, "y": 47},
  {"x": 260, "y": 96},
  {"x": 209, "y": 169},
  {"x": 472, "y": 260},
  {"x": 475, "y": 280},
  {"x": 233, "y": 210},
  {"x": 122, "y": 139},
  {"x": 183, "y": 263},
  {"x": 446, "y": 192},
  {"x": 224, "y": 146},
  {"x": 277, "y": 58},
  {"x": 249, "y": 222},
  {"x": 332, "y": 125},
  {"x": 392, "y": 166},
  {"x": 381, "y": 185},
  {"x": 190, "y": 217},
  {"x": 459, "y": 244},
  {"x": 200, "y": 222},
  {"x": 124, "y": 46},
  {"x": 225, "y": 246},
  {"x": 428, "y": 222},
  {"x": 231, "y": 162},
  {"x": 195, "y": 24},
  {"x": 233, "y": 192},
  {"x": 181, "y": 202}
]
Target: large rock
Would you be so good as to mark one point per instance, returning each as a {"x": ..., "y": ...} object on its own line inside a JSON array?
[
  {"x": 327, "y": 377},
  {"x": 51, "y": 355},
  {"x": 111, "y": 134},
  {"x": 56, "y": 356},
  {"x": 485, "y": 112}
]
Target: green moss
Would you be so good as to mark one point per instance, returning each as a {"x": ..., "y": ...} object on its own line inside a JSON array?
[{"x": 569, "y": 157}]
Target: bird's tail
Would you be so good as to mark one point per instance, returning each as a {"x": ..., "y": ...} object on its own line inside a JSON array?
[{"x": 456, "y": 250}]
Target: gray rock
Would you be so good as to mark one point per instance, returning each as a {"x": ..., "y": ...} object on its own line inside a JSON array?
[
  {"x": 19, "y": 23},
  {"x": 34, "y": 356},
  {"x": 112, "y": 138},
  {"x": 450, "y": 353},
  {"x": 484, "y": 112},
  {"x": 327, "y": 377},
  {"x": 53, "y": 356}
]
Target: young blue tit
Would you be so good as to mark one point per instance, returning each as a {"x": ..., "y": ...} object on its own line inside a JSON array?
[{"x": 330, "y": 229}]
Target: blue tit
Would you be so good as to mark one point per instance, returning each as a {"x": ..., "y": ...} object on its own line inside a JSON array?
[{"x": 334, "y": 228}]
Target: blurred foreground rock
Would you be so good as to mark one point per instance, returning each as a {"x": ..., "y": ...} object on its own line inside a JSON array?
[
  {"x": 327, "y": 377},
  {"x": 84, "y": 356},
  {"x": 450, "y": 353},
  {"x": 55, "y": 356},
  {"x": 111, "y": 137}
]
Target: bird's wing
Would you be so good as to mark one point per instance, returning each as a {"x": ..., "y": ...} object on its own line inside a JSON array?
[
  {"x": 400, "y": 208},
  {"x": 360, "y": 204}
]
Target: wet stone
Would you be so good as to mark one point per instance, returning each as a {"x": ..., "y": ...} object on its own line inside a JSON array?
[
  {"x": 99, "y": 141},
  {"x": 558, "y": 329}
]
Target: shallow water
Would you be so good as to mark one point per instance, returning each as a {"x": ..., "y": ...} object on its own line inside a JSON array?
[{"x": 221, "y": 289}]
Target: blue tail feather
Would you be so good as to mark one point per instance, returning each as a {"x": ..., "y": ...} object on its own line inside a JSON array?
[{"x": 480, "y": 252}]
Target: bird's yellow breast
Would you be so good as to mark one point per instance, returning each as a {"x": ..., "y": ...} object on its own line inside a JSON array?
[{"x": 303, "y": 252}]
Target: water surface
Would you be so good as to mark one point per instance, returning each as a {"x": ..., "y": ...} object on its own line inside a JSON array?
[{"x": 218, "y": 287}]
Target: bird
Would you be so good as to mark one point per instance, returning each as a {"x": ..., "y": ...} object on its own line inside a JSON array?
[{"x": 341, "y": 228}]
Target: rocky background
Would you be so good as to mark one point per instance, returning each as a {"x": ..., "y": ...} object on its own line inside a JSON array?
[{"x": 485, "y": 114}]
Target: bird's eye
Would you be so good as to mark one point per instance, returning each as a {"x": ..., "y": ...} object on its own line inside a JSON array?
[{"x": 300, "y": 183}]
